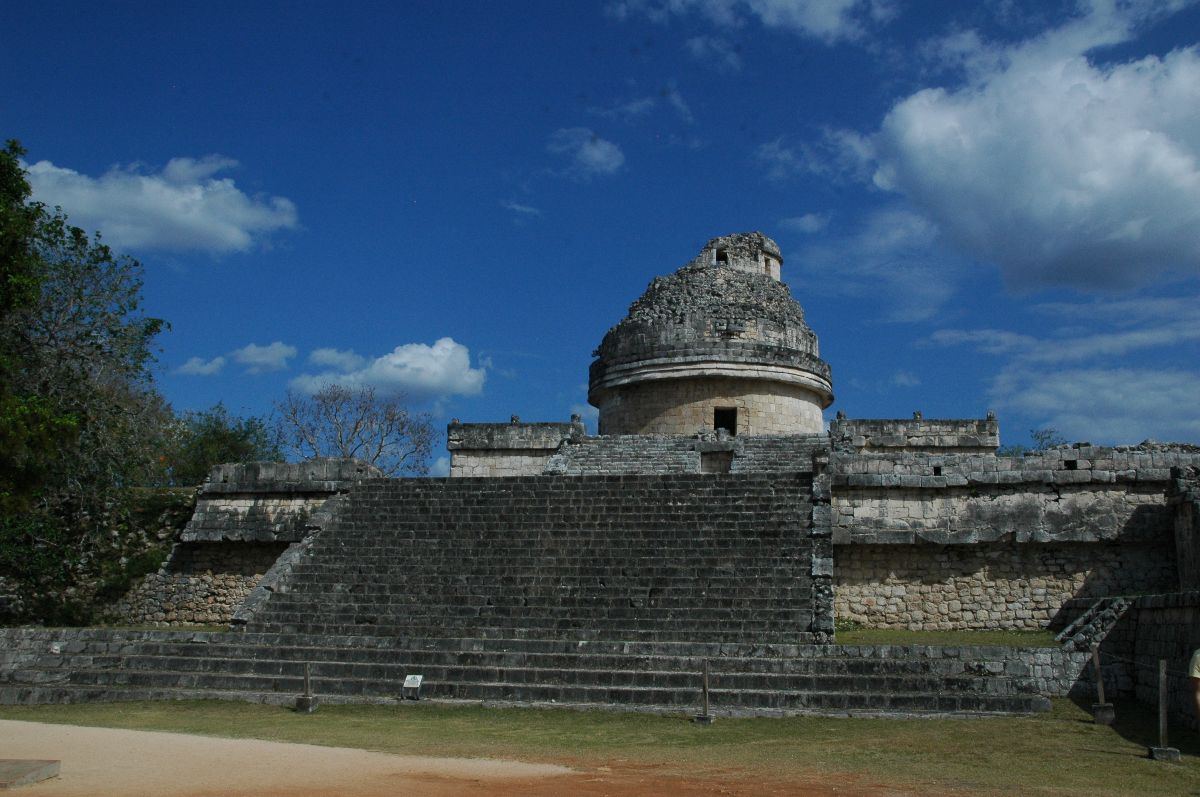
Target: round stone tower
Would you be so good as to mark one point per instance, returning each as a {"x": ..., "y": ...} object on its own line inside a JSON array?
[{"x": 719, "y": 344}]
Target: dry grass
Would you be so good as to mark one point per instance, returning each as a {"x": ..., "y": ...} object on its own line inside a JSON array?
[{"x": 1061, "y": 753}]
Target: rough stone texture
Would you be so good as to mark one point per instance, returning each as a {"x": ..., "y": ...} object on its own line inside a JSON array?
[
  {"x": 693, "y": 558},
  {"x": 506, "y": 449},
  {"x": 998, "y": 585},
  {"x": 201, "y": 583},
  {"x": 614, "y": 455},
  {"x": 1157, "y": 627},
  {"x": 687, "y": 406},
  {"x": 1183, "y": 497},
  {"x": 268, "y": 501},
  {"x": 246, "y": 515},
  {"x": 1068, "y": 494},
  {"x": 916, "y": 435},
  {"x": 713, "y": 319}
]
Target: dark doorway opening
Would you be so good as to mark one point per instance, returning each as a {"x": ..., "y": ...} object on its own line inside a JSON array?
[{"x": 725, "y": 418}]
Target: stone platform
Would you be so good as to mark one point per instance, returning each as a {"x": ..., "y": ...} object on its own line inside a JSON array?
[{"x": 16, "y": 772}]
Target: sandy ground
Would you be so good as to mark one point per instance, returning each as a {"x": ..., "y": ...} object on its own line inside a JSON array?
[{"x": 105, "y": 762}]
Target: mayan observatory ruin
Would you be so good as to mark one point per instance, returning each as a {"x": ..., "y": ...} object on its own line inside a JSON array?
[{"x": 717, "y": 530}]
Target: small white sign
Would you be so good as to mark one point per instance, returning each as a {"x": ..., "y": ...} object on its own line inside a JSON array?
[{"x": 413, "y": 681}]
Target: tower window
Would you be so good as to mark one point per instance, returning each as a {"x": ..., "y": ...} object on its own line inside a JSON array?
[
  {"x": 722, "y": 256},
  {"x": 725, "y": 418}
]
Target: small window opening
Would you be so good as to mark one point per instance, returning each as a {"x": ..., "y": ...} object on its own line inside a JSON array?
[
  {"x": 1071, "y": 464},
  {"x": 722, "y": 256},
  {"x": 937, "y": 470},
  {"x": 725, "y": 418}
]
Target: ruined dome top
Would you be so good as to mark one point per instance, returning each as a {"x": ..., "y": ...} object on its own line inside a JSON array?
[{"x": 725, "y": 305}]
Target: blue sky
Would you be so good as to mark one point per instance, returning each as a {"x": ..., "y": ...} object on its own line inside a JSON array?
[{"x": 980, "y": 205}]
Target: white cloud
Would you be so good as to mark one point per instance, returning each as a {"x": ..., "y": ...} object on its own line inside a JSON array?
[
  {"x": 627, "y": 110},
  {"x": 809, "y": 223},
  {"x": 337, "y": 359},
  {"x": 587, "y": 154},
  {"x": 1061, "y": 169},
  {"x": 892, "y": 258},
  {"x": 197, "y": 366},
  {"x": 185, "y": 206},
  {"x": 260, "y": 359},
  {"x": 415, "y": 369},
  {"x": 1101, "y": 405},
  {"x": 829, "y": 21},
  {"x": 905, "y": 379},
  {"x": 716, "y": 51},
  {"x": 440, "y": 467}
]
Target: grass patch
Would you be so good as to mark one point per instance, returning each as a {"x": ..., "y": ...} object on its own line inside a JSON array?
[
  {"x": 1061, "y": 753},
  {"x": 899, "y": 636}
]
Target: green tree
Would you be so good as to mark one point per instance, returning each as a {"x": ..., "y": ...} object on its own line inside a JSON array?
[
  {"x": 210, "y": 437},
  {"x": 80, "y": 421}
]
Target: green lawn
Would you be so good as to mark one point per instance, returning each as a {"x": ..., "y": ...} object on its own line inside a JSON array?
[{"x": 1060, "y": 753}]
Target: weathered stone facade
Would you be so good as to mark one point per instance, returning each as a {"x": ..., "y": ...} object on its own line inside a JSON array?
[
  {"x": 246, "y": 516},
  {"x": 511, "y": 449},
  {"x": 720, "y": 343}
]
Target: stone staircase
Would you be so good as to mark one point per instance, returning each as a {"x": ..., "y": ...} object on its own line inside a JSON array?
[
  {"x": 607, "y": 591},
  {"x": 105, "y": 665},
  {"x": 681, "y": 558}
]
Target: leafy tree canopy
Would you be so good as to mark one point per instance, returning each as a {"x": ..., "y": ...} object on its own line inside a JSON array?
[{"x": 210, "y": 437}]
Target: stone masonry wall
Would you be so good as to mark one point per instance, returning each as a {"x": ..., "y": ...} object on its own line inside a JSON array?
[
  {"x": 685, "y": 407},
  {"x": 995, "y": 585},
  {"x": 917, "y": 434},
  {"x": 617, "y": 454},
  {"x": 200, "y": 584},
  {"x": 246, "y": 515},
  {"x": 1183, "y": 497},
  {"x": 506, "y": 449},
  {"x": 1001, "y": 542}
]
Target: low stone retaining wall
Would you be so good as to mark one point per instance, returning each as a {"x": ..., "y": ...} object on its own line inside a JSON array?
[{"x": 1001, "y": 585}]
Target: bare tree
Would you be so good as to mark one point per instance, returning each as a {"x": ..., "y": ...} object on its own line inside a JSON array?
[{"x": 338, "y": 421}]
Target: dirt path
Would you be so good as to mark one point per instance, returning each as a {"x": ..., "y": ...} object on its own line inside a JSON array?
[{"x": 105, "y": 762}]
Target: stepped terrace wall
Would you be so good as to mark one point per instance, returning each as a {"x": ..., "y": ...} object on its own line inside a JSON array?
[
  {"x": 707, "y": 453},
  {"x": 727, "y": 558},
  {"x": 977, "y": 541},
  {"x": 246, "y": 516}
]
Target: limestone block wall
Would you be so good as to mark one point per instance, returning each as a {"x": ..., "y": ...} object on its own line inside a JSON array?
[
  {"x": 200, "y": 584},
  {"x": 978, "y": 541},
  {"x": 617, "y": 454},
  {"x": 685, "y": 406},
  {"x": 1183, "y": 497},
  {"x": 506, "y": 449},
  {"x": 993, "y": 585},
  {"x": 954, "y": 435},
  {"x": 246, "y": 515}
]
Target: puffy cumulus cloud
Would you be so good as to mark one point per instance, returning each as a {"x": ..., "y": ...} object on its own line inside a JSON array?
[
  {"x": 415, "y": 369},
  {"x": 260, "y": 359},
  {"x": 893, "y": 257},
  {"x": 587, "y": 154},
  {"x": 440, "y": 467},
  {"x": 1059, "y": 168},
  {"x": 198, "y": 366},
  {"x": 829, "y": 21},
  {"x": 1102, "y": 405},
  {"x": 337, "y": 359},
  {"x": 185, "y": 206}
]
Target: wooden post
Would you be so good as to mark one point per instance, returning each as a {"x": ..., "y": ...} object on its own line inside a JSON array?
[
  {"x": 1162, "y": 703},
  {"x": 307, "y": 702},
  {"x": 704, "y": 718},
  {"x": 1102, "y": 712},
  {"x": 1163, "y": 752}
]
